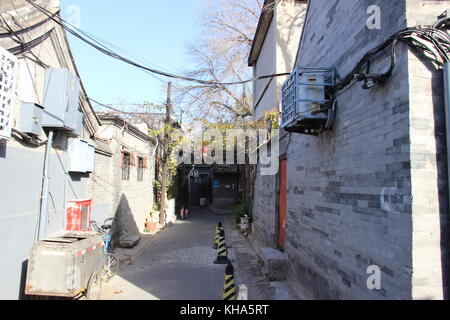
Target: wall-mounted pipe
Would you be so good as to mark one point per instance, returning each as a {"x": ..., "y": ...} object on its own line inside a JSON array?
[
  {"x": 447, "y": 114},
  {"x": 447, "y": 117},
  {"x": 43, "y": 214}
]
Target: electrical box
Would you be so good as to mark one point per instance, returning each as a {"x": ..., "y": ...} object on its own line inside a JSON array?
[
  {"x": 81, "y": 156},
  {"x": 306, "y": 106},
  {"x": 90, "y": 155},
  {"x": 31, "y": 118},
  {"x": 79, "y": 128},
  {"x": 61, "y": 97},
  {"x": 8, "y": 70}
]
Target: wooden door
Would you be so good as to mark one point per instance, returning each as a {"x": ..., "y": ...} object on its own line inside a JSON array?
[{"x": 282, "y": 203}]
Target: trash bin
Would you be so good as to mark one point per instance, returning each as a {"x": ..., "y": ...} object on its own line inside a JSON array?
[{"x": 63, "y": 266}]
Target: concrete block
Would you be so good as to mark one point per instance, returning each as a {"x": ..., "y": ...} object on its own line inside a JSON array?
[
  {"x": 275, "y": 263},
  {"x": 130, "y": 241}
]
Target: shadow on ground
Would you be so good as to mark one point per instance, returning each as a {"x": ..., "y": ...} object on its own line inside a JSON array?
[{"x": 176, "y": 264}]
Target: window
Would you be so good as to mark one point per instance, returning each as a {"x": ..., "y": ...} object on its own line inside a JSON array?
[
  {"x": 126, "y": 161},
  {"x": 140, "y": 169},
  {"x": 8, "y": 66}
]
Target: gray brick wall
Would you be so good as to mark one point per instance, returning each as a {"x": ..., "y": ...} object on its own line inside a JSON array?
[
  {"x": 367, "y": 192},
  {"x": 130, "y": 201},
  {"x": 430, "y": 236},
  {"x": 264, "y": 210}
]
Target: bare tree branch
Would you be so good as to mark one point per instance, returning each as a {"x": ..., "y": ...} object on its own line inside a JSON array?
[{"x": 221, "y": 54}]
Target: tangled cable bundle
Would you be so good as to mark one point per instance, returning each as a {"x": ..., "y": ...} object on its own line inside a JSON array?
[{"x": 432, "y": 41}]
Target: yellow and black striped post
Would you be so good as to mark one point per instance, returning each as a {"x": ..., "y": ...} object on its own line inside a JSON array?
[
  {"x": 217, "y": 236},
  {"x": 222, "y": 251},
  {"x": 229, "y": 288}
]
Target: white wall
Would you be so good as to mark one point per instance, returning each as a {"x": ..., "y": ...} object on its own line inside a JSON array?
[
  {"x": 21, "y": 166},
  {"x": 265, "y": 89},
  {"x": 277, "y": 55}
]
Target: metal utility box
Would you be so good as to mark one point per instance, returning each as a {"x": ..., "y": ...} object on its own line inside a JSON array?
[
  {"x": 61, "y": 97},
  {"x": 90, "y": 158},
  {"x": 31, "y": 118},
  {"x": 81, "y": 156},
  {"x": 79, "y": 128},
  {"x": 62, "y": 266}
]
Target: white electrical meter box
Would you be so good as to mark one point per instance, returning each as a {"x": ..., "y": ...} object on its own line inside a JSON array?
[
  {"x": 61, "y": 97},
  {"x": 79, "y": 128},
  {"x": 81, "y": 156},
  {"x": 8, "y": 70},
  {"x": 90, "y": 154},
  {"x": 31, "y": 118}
]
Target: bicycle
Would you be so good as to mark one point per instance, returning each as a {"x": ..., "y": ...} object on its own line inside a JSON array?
[{"x": 110, "y": 260}]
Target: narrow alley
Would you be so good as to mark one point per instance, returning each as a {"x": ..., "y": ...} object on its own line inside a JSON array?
[
  {"x": 225, "y": 150},
  {"x": 177, "y": 264}
]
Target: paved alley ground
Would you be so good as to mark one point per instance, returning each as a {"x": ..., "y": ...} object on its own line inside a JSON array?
[{"x": 177, "y": 264}]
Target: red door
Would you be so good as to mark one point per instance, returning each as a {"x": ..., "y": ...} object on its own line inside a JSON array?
[{"x": 282, "y": 203}]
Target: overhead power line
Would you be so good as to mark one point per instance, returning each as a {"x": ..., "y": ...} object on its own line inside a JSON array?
[{"x": 83, "y": 36}]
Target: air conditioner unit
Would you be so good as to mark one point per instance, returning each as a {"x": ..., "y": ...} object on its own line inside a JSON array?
[
  {"x": 8, "y": 69},
  {"x": 306, "y": 106}
]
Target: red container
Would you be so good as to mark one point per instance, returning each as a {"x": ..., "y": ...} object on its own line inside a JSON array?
[
  {"x": 78, "y": 215},
  {"x": 150, "y": 226}
]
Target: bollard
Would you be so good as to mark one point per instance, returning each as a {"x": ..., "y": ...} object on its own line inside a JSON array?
[
  {"x": 222, "y": 252},
  {"x": 229, "y": 288},
  {"x": 224, "y": 237},
  {"x": 216, "y": 238}
]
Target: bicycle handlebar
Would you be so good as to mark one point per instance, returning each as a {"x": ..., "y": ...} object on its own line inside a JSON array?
[{"x": 96, "y": 228}]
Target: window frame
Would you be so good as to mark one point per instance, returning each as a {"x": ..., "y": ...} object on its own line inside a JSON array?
[
  {"x": 140, "y": 169},
  {"x": 126, "y": 166}
]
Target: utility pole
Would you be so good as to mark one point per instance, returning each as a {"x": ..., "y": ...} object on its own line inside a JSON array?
[{"x": 166, "y": 156}]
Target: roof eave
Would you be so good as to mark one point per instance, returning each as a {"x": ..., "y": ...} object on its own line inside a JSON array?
[
  {"x": 261, "y": 31},
  {"x": 120, "y": 122}
]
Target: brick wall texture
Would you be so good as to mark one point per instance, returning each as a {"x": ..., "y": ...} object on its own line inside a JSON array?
[
  {"x": 130, "y": 201},
  {"x": 373, "y": 190}
]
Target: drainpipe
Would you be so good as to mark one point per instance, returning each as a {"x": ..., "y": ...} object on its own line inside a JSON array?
[
  {"x": 43, "y": 214},
  {"x": 447, "y": 114}
]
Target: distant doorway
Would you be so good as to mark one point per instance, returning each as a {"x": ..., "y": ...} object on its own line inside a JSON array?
[
  {"x": 195, "y": 192},
  {"x": 282, "y": 203}
]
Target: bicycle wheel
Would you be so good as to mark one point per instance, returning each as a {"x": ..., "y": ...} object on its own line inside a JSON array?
[
  {"x": 111, "y": 265},
  {"x": 94, "y": 289}
]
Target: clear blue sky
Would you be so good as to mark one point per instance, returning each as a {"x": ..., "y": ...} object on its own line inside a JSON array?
[{"x": 155, "y": 31}]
